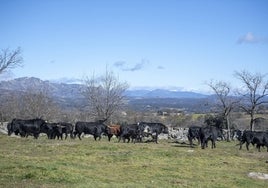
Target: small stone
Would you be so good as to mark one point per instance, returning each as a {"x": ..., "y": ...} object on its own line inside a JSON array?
[{"x": 258, "y": 175}]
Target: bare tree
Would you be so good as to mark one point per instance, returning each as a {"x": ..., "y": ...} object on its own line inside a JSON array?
[
  {"x": 28, "y": 104},
  {"x": 105, "y": 95},
  {"x": 254, "y": 91},
  {"x": 10, "y": 59},
  {"x": 10, "y": 106},
  {"x": 36, "y": 105},
  {"x": 226, "y": 102}
]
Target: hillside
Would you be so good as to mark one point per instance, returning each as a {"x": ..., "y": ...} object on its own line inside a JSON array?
[{"x": 70, "y": 95}]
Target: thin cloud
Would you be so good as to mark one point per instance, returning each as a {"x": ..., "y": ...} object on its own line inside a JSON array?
[
  {"x": 136, "y": 67},
  {"x": 250, "y": 38},
  {"x": 122, "y": 65},
  {"x": 160, "y": 67},
  {"x": 119, "y": 64},
  {"x": 52, "y": 62}
]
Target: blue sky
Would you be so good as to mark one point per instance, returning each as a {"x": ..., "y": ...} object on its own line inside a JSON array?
[{"x": 179, "y": 43}]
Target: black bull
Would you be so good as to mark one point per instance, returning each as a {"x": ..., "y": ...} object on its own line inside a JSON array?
[
  {"x": 52, "y": 130},
  {"x": 94, "y": 128},
  {"x": 193, "y": 133},
  {"x": 25, "y": 127},
  {"x": 254, "y": 137},
  {"x": 153, "y": 129},
  {"x": 209, "y": 133},
  {"x": 130, "y": 131},
  {"x": 67, "y": 128}
]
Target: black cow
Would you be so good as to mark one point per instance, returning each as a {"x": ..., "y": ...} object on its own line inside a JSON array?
[
  {"x": 236, "y": 134},
  {"x": 94, "y": 128},
  {"x": 26, "y": 127},
  {"x": 261, "y": 139},
  {"x": 209, "y": 133},
  {"x": 130, "y": 131},
  {"x": 193, "y": 133},
  {"x": 9, "y": 129},
  {"x": 47, "y": 129},
  {"x": 254, "y": 137},
  {"x": 67, "y": 128},
  {"x": 14, "y": 127},
  {"x": 52, "y": 130},
  {"x": 153, "y": 129}
]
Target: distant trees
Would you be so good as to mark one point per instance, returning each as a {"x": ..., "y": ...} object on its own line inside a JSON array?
[
  {"x": 10, "y": 59},
  {"x": 9, "y": 106},
  {"x": 29, "y": 104},
  {"x": 105, "y": 95},
  {"x": 253, "y": 93},
  {"x": 38, "y": 105}
]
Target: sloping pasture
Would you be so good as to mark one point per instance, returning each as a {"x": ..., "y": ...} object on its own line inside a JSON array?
[{"x": 26, "y": 162}]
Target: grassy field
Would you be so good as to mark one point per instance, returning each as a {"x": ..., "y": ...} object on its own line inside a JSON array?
[{"x": 26, "y": 162}]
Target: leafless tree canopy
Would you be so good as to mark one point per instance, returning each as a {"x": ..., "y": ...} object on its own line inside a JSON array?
[
  {"x": 254, "y": 92},
  {"x": 226, "y": 103},
  {"x": 38, "y": 105},
  {"x": 222, "y": 90},
  {"x": 28, "y": 105},
  {"x": 105, "y": 95},
  {"x": 10, "y": 59}
]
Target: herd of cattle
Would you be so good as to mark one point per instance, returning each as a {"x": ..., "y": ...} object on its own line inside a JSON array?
[
  {"x": 204, "y": 134},
  {"x": 133, "y": 132}
]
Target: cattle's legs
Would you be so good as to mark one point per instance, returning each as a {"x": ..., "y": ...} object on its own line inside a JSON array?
[
  {"x": 241, "y": 143},
  {"x": 247, "y": 144},
  {"x": 79, "y": 136}
]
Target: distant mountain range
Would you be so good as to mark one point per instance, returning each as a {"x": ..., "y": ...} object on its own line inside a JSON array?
[
  {"x": 70, "y": 95},
  {"x": 163, "y": 93},
  {"x": 64, "y": 90}
]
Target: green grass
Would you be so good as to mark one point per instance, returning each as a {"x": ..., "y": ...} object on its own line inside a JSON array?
[{"x": 88, "y": 163}]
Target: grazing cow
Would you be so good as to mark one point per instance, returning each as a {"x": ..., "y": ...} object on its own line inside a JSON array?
[
  {"x": 113, "y": 130},
  {"x": 128, "y": 132},
  {"x": 67, "y": 128},
  {"x": 254, "y": 137},
  {"x": 153, "y": 129},
  {"x": 26, "y": 127},
  {"x": 209, "y": 133},
  {"x": 94, "y": 128},
  {"x": 193, "y": 133}
]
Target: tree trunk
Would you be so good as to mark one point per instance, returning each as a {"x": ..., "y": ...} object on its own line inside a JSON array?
[
  {"x": 228, "y": 128},
  {"x": 252, "y": 114},
  {"x": 252, "y": 123}
]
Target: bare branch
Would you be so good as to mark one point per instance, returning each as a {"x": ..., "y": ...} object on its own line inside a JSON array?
[
  {"x": 10, "y": 59},
  {"x": 255, "y": 93}
]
